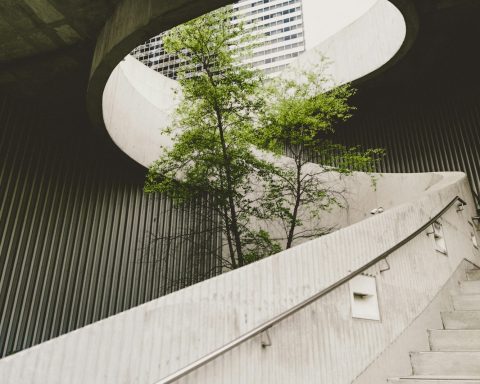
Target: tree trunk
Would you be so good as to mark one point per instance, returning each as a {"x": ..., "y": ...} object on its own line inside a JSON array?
[
  {"x": 293, "y": 224},
  {"x": 228, "y": 174}
]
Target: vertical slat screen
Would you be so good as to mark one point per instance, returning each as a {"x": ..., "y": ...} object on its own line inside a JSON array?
[
  {"x": 75, "y": 226},
  {"x": 422, "y": 136},
  {"x": 76, "y": 231}
]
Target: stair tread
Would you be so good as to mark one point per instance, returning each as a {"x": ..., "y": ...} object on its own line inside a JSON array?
[
  {"x": 446, "y": 363},
  {"x": 436, "y": 380},
  {"x": 466, "y": 302},
  {"x": 472, "y": 283},
  {"x": 473, "y": 274},
  {"x": 439, "y": 377},
  {"x": 461, "y": 320},
  {"x": 455, "y": 330},
  {"x": 451, "y": 354},
  {"x": 461, "y": 340},
  {"x": 454, "y": 357},
  {"x": 460, "y": 311}
]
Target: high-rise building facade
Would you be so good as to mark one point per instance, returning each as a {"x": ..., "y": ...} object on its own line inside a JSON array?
[{"x": 277, "y": 25}]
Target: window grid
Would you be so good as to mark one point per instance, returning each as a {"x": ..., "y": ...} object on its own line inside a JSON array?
[{"x": 271, "y": 55}]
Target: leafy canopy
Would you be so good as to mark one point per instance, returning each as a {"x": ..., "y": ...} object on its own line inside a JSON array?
[{"x": 214, "y": 129}]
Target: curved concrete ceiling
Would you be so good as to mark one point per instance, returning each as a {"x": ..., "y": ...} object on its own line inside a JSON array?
[
  {"x": 33, "y": 27},
  {"x": 47, "y": 42},
  {"x": 137, "y": 103}
]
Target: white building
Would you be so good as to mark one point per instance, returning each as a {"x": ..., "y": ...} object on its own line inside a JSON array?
[{"x": 278, "y": 24}]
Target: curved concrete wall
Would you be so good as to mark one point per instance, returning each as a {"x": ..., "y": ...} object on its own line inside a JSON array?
[
  {"x": 323, "y": 19},
  {"x": 362, "y": 47},
  {"x": 151, "y": 341},
  {"x": 138, "y": 102},
  {"x": 131, "y": 87}
]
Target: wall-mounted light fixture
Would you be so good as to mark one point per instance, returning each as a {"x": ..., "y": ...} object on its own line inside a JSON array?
[
  {"x": 364, "y": 298},
  {"x": 460, "y": 206},
  {"x": 472, "y": 234},
  {"x": 476, "y": 222},
  {"x": 437, "y": 231},
  {"x": 377, "y": 210}
]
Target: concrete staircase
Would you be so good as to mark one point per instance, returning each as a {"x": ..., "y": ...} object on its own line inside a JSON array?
[{"x": 454, "y": 356}]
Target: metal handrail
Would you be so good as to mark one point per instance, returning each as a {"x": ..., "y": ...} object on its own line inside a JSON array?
[
  {"x": 277, "y": 319},
  {"x": 477, "y": 202}
]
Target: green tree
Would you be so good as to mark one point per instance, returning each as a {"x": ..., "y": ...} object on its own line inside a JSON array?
[
  {"x": 227, "y": 113},
  {"x": 304, "y": 110},
  {"x": 213, "y": 133}
]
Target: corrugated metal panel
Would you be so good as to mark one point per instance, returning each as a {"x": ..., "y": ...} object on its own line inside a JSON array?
[
  {"x": 76, "y": 231},
  {"x": 75, "y": 226},
  {"x": 422, "y": 136}
]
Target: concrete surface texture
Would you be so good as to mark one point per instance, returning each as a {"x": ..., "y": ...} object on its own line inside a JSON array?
[
  {"x": 362, "y": 47},
  {"x": 138, "y": 104},
  {"x": 324, "y": 18},
  {"x": 322, "y": 343}
]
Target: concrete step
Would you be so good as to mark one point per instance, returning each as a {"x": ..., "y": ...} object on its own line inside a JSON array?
[
  {"x": 431, "y": 380},
  {"x": 473, "y": 274},
  {"x": 466, "y": 302},
  {"x": 470, "y": 287},
  {"x": 446, "y": 364},
  {"x": 454, "y": 340},
  {"x": 461, "y": 320}
]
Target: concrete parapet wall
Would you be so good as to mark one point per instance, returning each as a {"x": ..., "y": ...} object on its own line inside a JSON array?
[
  {"x": 322, "y": 343},
  {"x": 362, "y": 47}
]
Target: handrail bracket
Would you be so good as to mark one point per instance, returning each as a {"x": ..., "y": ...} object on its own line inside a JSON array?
[{"x": 266, "y": 340}]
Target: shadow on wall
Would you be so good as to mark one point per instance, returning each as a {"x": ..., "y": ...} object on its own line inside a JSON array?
[{"x": 76, "y": 230}]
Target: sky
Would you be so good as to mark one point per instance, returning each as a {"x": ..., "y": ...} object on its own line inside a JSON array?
[{"x": 322, "y": 18}]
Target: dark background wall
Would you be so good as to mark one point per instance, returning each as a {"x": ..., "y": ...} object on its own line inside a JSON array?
[
  {"x": 421, "y": 133},
  {"x": 77, "y": 232},
  {"x": 425, "y": 109}
]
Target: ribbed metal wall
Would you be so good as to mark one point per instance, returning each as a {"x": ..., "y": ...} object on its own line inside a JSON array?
[
  {"x": 76, "y": 231},
  {"x": 76, "y": 228},
  {"x": 421, "y": 136}
]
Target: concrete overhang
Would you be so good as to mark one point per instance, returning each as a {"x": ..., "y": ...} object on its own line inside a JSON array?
[{"x": 42, "y": 40}]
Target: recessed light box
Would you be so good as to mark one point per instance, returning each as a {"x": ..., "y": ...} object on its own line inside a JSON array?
[
  {"x": 364, "y": 298},
  {"x": 440, "y": 245},
  {"x": 473, "y": 235}
]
